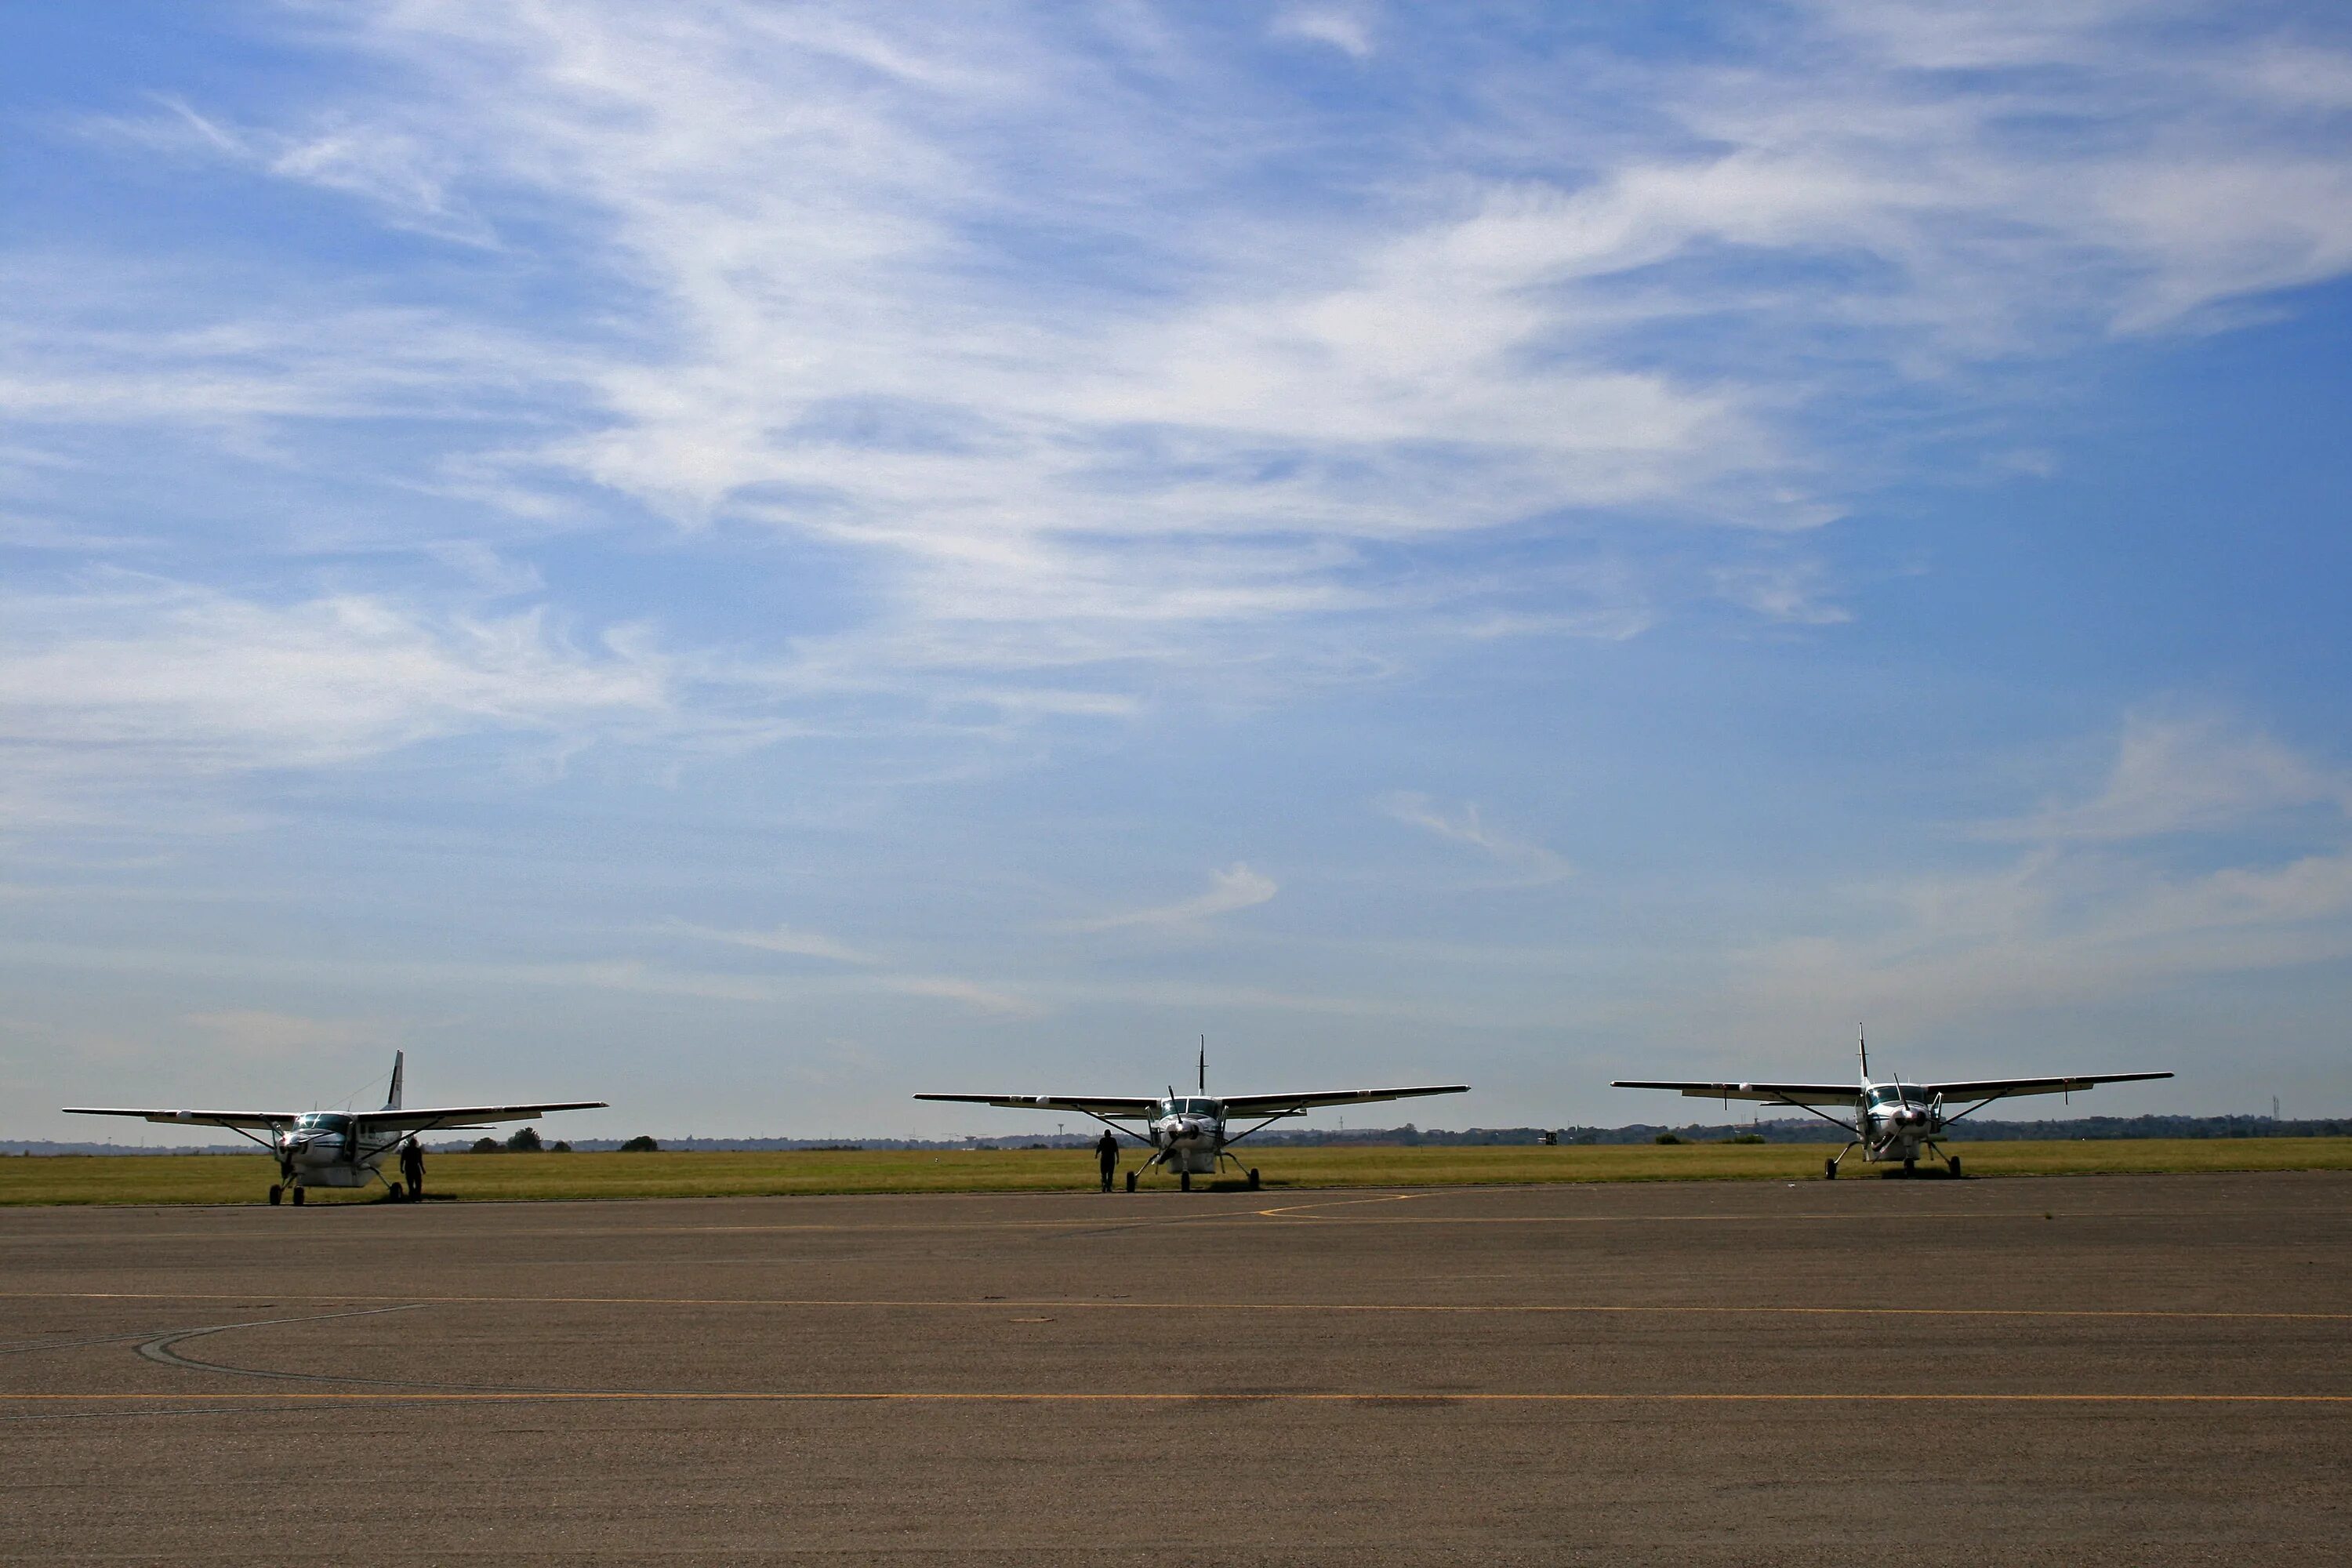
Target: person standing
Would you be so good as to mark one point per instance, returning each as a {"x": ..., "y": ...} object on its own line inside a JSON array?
[
  {"x": 412, "y": 1166},
  {"x": 1107, "y": 1156}
]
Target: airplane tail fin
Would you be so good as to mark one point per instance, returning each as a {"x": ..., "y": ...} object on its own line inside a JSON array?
[
  {"x": 399, "y": 1065},
  {"x": 1205, "y": 1064},
  {"x": 1862, "y": 1043}
]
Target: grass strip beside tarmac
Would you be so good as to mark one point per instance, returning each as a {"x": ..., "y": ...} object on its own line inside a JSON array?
[{"x": 244, "y": 1178}]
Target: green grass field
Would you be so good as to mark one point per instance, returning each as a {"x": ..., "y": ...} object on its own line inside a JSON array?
[{"x": 245, "y": 1178}]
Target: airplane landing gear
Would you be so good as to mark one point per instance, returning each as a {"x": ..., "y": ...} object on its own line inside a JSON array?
[
  {"x": 1130, "y": 1181},
  {"x": 1956, "y": 1167},
  {"x": 1829, "y": 1170},
  {"x": 1184, "y": 1180},
  {"x": 399, "y": 1193},
  {"x": 298, "y": 1197},
  {"x": 1910, "y": 1166},
  {"x": 276, "y": 1193},
  {"x": 1253, "y": 1178}
]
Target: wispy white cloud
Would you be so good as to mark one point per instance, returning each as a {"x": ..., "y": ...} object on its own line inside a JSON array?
[
  {"x": 2093, "y": 907},
  {"x": 624, "y": 975},
  {"x": 971, "y": 994},
  {"x": 789, "y": 941},
  {"x": 1334, "y": 26},
  {"x": 994, "y": 304},
  {"x": 1237, "y": 886},
  {"x": 2185, "y": 770},
  {"x": 135, "y": 684},
  {"x": 404, "y": 178},
  {"x": 1789, "y": 592},
  {"x": 220, "y": 682},
  {"x": 1530, "y": 864},
  {"x": 884, "y": 974}
]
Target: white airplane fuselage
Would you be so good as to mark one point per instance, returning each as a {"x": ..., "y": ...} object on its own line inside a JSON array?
[
  {"x": 1896, "y": 1121},
  {"x": 1190, "y": 1132},
  {"x": 326, "y": 1149}
]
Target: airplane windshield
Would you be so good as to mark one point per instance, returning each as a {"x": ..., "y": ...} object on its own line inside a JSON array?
[
  {"x": 323, "y": 1122},
  {"x": 1200, "y": 1108},
  {"x": 1889, "y": 1093}
]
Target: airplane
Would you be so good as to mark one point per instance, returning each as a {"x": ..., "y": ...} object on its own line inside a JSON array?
[
  {"x": 1893, "y": 1119},
  {"x": 1188, "y": 1131},
  {"x": 341, "y": 1149}
]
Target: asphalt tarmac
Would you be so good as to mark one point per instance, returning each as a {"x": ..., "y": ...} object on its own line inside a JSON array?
[{"x": 2085, "y": 1369}]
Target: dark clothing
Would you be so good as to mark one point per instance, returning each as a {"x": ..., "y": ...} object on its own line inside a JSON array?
[
  {"x": 412, "y": 1168},
  {"x": 1107, "y": 1156}
]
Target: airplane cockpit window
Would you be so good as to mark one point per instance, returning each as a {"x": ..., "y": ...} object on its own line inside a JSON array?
[
  {"x": 323, "y": 1122},
  {"x": 1200, "y": 1108}
]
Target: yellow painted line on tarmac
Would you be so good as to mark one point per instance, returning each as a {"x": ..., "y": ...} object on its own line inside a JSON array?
[
  {"x": 763, "y": 1396},
  {"x": 1287, "y": 1210},
  {"x": 1470, "y": 1309}
]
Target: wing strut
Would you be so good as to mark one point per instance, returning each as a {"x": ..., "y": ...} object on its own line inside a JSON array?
[
  {"x": 1123, "y": 1132},
  {"x": 1259, "y": 1127},
  {"x": 1846, "y": 1127},
  {"x": 1972, "y": 1110}
]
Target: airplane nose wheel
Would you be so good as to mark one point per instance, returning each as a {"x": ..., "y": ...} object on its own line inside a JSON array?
[{"x": 1184, "y": 1180}]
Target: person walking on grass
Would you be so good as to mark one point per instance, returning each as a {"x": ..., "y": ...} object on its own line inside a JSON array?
[{"x": 1107, "y": 1156}]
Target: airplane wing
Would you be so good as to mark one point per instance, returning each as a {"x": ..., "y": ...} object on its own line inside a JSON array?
[
  {"x": 195, "y": 1117},
  {"x": 426, "y": 1121},
  {"x": 1275, "y": 1104},
  {"x": 1085, "y": 1105},
  {"x": 2004, "y": 1088},
  {"x": 1768, "y": 1093}
]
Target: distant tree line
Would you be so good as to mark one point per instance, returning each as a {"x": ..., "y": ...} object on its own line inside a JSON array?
[{"x": 524, "y": 1141}]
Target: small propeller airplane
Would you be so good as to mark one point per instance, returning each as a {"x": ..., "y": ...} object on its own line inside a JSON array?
[
  {"x": 341, "y": 1149},
  {"x": 1891, "y": 1119},
  {"x": 1187, "y": 1132}
]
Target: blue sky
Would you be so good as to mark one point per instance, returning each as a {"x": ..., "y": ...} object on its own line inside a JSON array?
[{"x": 750, "y": 560}]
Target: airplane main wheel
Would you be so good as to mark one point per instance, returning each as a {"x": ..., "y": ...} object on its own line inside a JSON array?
[
  {"x": 1829, "y": 1170},
  {"x": 399, "y": 1193},
  {"x": 1130, "y": 1181},
  {"x": 1253, "y": 1178},
  {"x": 274, "y": 1193},
  {"x": 1956, "y": 1167},
  {"x": 1184, "y": 1180},
  {"x": 298, "y": 1197}
]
